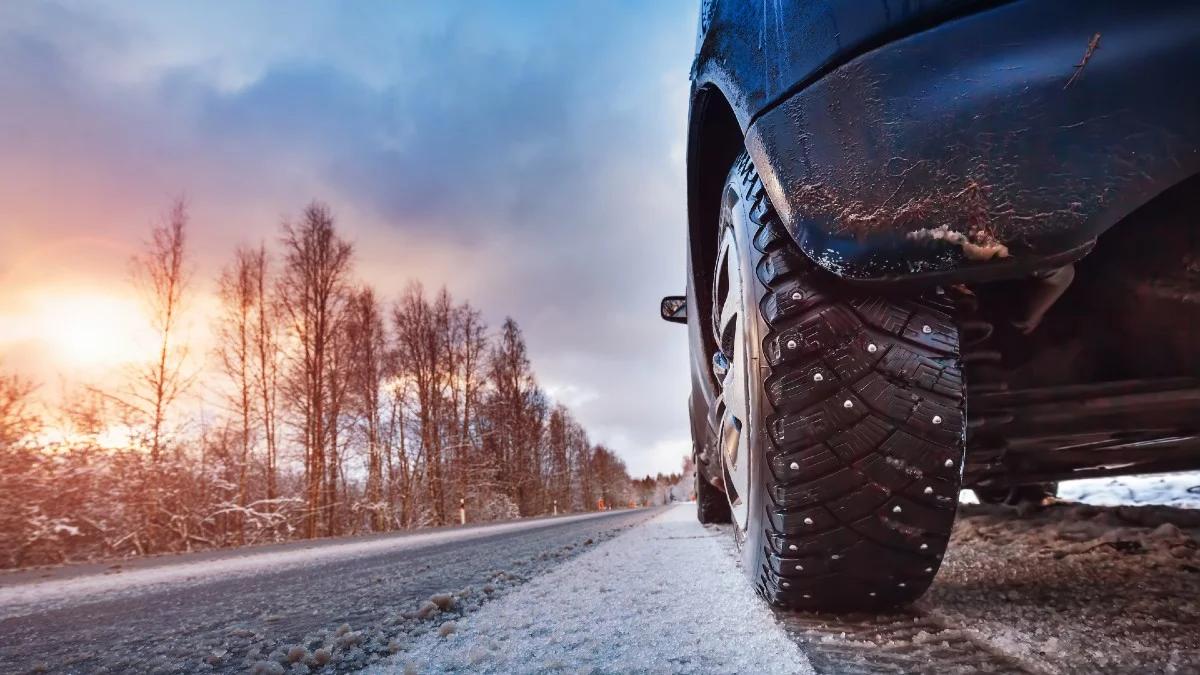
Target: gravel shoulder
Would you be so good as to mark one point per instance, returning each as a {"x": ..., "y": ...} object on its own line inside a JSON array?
[{"x": 1077, "y": 588}]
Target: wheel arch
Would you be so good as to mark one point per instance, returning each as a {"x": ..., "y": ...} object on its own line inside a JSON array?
[{"x": 715, "y": 140}]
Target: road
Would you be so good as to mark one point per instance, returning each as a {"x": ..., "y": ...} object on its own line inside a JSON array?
[
  {"x": 1072, "y": 589},
  {"x": 225, "y": 612}
]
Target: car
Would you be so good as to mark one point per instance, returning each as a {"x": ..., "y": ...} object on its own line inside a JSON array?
[{"x": 933, "y": 246}]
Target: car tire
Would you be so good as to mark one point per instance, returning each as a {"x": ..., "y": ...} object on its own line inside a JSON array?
[
  {"x": 854, "y": 439},
  {"x": 1022, "y": 497},
  {"x": 712, "y": 507}
]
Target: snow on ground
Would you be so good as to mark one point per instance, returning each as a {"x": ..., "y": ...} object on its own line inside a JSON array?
[
  {"x": 22, "y": 598},
  {"x": 1165, "y": 489},
  {"x": 1169, "y": 489},
  {"x": 631, "y": 605}
]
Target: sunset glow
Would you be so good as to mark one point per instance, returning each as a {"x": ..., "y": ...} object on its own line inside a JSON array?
[
  {"x": 118, "y": 109},
  {"x": 84, "y": 329}
]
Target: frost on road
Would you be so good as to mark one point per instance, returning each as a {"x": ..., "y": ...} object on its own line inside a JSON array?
[
  {"x": 330, "y": 606},
  {"x": 634, "y": 604},
  {"x": 18, "y": 599}
]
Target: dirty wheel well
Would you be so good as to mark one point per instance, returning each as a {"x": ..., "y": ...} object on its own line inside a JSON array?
[{"x": 714, "y": 141}]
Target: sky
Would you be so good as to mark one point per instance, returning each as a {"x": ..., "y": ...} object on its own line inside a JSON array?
[{"x": 527, "y": 155}]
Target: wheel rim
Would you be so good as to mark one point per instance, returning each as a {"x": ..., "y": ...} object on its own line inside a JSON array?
[{"x": 732, "y": 368}]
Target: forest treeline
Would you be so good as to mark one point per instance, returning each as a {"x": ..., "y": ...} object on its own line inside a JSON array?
[{"x": 341, "y": 413}]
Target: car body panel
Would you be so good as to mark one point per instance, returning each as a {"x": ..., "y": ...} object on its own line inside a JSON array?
[
  {"x": 992, "y": 145},
  {"x": 756, "y": 52}
]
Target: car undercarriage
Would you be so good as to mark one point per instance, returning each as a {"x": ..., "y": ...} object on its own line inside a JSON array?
[{"x": 1091, "y": 370}]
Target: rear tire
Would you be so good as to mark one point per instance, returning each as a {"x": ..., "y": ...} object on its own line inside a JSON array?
[
  {"x": 856, "y": 423},
  {"x": 1022, "y": 497},
  {"x": 712, "y": 507}
]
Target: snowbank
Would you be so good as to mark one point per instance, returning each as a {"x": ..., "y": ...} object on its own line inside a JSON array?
[
  {"x": 1165, "y": 489},
  {"x": 663, "y": 597},
  {"x": 1169, "y": 489}
]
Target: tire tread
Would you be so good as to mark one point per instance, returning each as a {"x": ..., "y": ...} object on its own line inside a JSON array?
[{"x": 851, "y": 526}]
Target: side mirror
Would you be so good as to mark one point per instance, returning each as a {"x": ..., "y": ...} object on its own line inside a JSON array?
[{"x": 674, "y": 309}]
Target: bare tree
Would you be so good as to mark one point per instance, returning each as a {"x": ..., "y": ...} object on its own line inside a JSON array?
[
  {"x": 338, "y": 374},
  {"x": 311, "y": 293},
  {"x": 237, "y": 291},
  {"x": 369, "y": 367},
  {"x": 17, "y": 421},
  {"x": 612, "y": 482},
  {"x": 466, "y": 351},
  {"x": 22, "y": 465},
  {"x": 435, "y": 410},
  {"x": 516, "y": 410},
  {"x": 422, "y": 357},
  {"x": 160, "y": 271},
  {"x": 579, "y": 449},
  {"x": 558, "y": 450},
  {"x": 266, "y": 356},
  {"x": 401, "y": 463}
]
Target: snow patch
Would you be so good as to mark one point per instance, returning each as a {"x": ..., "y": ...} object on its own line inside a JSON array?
[
  {"x": 663, "y": 597},
  {"x": 1168, "y": 489},
  {"x": 1175, "y": 489}
]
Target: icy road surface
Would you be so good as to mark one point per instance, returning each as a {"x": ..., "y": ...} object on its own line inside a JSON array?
[
  {"x": 1073, "y": 588},
  {"x": 335, "y": 605},
  {"x": 633, "y": 605}
]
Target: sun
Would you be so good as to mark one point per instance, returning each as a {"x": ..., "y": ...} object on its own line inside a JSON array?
[{"x": 91, "y": 330}]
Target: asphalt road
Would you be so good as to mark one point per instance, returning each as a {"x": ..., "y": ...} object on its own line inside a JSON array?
[
  {"x": 349, "y": 601},
  {"x": 1070, "y": 589}
]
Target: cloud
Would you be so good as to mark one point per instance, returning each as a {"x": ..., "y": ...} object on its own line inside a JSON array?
[{"x": 528, "y": 158}]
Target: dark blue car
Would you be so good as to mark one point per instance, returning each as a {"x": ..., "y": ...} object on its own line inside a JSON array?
[{"x": 934, "y": 245}]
